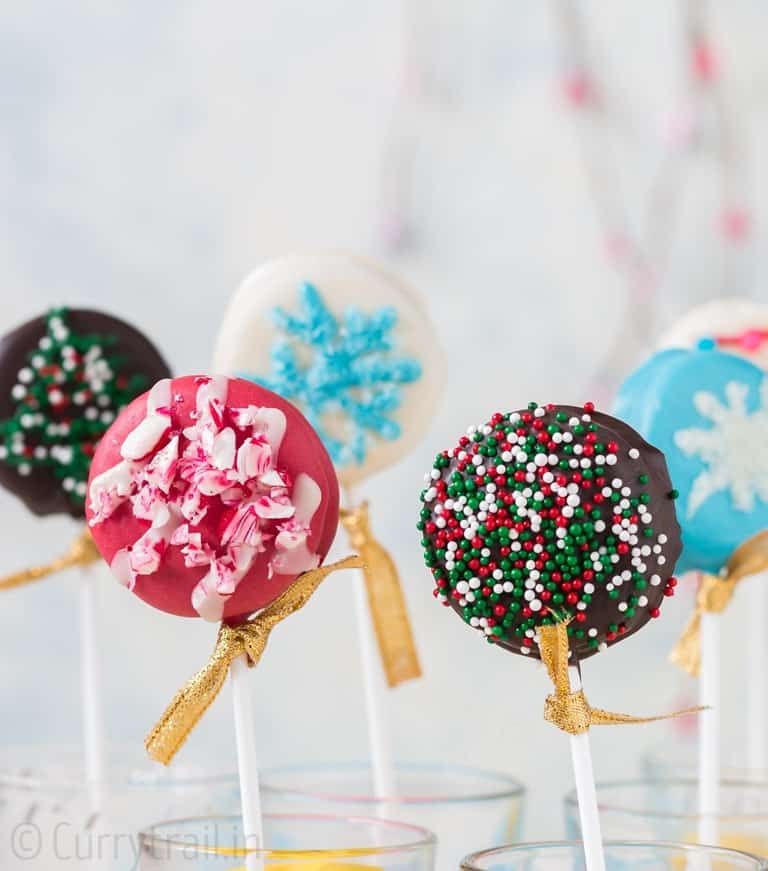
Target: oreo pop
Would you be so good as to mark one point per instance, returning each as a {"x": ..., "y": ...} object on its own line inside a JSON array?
[
  {"x": 708, "y": 411},
  {"x": 734, "y": 325},
  {"x": 351, "y": 345},
  {"x": 64, "y": 377},
  {"x": 210, "y": 496},
  {"x": 548, "y": 514}
]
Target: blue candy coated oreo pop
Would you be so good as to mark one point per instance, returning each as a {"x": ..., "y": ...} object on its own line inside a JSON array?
[{"x": 708, "y": 413}]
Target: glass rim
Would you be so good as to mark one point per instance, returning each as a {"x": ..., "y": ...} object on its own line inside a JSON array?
[
  {"x": 424, "y": 839},
  {"x": 662, "y": 756},
  {"x": 28, "y": 777},
  {"x": 466, "y": 862},
  {"x": 513, "y": 789},
  {"x": 34, "y": 783},
  {"x": 618, "y": 807}
]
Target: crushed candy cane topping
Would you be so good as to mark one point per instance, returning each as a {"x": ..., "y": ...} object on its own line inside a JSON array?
[{"x": 222, "y": 472}]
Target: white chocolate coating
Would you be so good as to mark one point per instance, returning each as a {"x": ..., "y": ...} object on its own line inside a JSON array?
[
  {"x": 737, "y": 320},
  {"x": 248, "y": 333}
]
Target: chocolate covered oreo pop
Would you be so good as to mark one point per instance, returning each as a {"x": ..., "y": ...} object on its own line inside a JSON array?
[
  {"x": 549, "y": 514},
  {"x": 64, "y": 377}
]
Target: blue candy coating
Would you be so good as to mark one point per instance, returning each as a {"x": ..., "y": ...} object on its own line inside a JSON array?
[{"x": 708, "y": 413}]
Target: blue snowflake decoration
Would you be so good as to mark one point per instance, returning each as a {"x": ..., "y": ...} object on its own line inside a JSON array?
[{"x": 343, "y": 367}]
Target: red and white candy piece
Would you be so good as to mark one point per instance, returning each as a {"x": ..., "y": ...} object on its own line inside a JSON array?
[{"x": 209, "y": 496}]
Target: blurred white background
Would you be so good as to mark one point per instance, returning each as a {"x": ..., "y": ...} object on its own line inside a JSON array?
[{"x": 152, "y": 154}]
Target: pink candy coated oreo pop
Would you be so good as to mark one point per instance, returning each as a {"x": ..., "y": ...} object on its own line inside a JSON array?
[{"x": 209, "y": 497}]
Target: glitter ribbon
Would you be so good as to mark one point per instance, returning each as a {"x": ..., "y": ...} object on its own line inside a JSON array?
[
  {"x": 386, "y": 602},
  {"x": 569, "y": 711},
  {"x": 81, "y": 552},
  {"x": 715, "y": 592},
  {"x": 249, "y": 638}
]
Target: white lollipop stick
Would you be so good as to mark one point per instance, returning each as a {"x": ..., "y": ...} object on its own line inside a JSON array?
[
  {"x": 586, "y": 794},
  {"x": 757, "y": 721},
  {"x": 247, "y": 764},
  {"x": 90, "y": 675},
  {"x": 379, "y": 738},
  {"x": 709, "y": 730}
]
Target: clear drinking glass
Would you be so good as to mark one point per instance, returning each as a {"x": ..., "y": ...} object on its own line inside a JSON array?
[
  {"x": 569, "y": 856},
  {"x": 50, "y": 818},
  {"x": 674, "y": 760},
  {"x": 665, "y": 810},
  {"x": 292, "y": 843},
  {"x": 462, "y": 806}
]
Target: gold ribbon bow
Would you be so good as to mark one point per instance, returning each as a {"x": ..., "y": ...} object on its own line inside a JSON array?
[
  {"x": 714, "y": 594},
  {"x": 569, "y": 711},
  {"x": 249, "y": 638},
  {"x": 81, "y": 552},
  {"x": 386, "y": 602}
]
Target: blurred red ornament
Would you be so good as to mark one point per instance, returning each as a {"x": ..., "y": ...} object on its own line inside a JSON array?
[
  {"x": 578, "y": 88},
  {"x": 735, "y": 223},
  {"x": 704, "y": 61}
]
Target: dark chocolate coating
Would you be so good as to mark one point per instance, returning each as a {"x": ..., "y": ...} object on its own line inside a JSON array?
[
  {"x": 553, "y": 547},
  {"x": 40, "y": 490}
]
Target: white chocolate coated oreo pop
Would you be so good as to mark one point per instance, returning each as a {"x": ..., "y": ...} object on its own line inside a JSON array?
[
  {"x": 346, "y": 342},
  {"x": 734, "y": 325}
]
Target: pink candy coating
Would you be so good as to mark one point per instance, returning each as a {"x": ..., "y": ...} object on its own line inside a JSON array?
[{"x": 209, "y": 497}]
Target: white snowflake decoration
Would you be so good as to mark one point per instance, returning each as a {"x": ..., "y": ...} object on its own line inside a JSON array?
[{"x": 734, "y": 450}]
